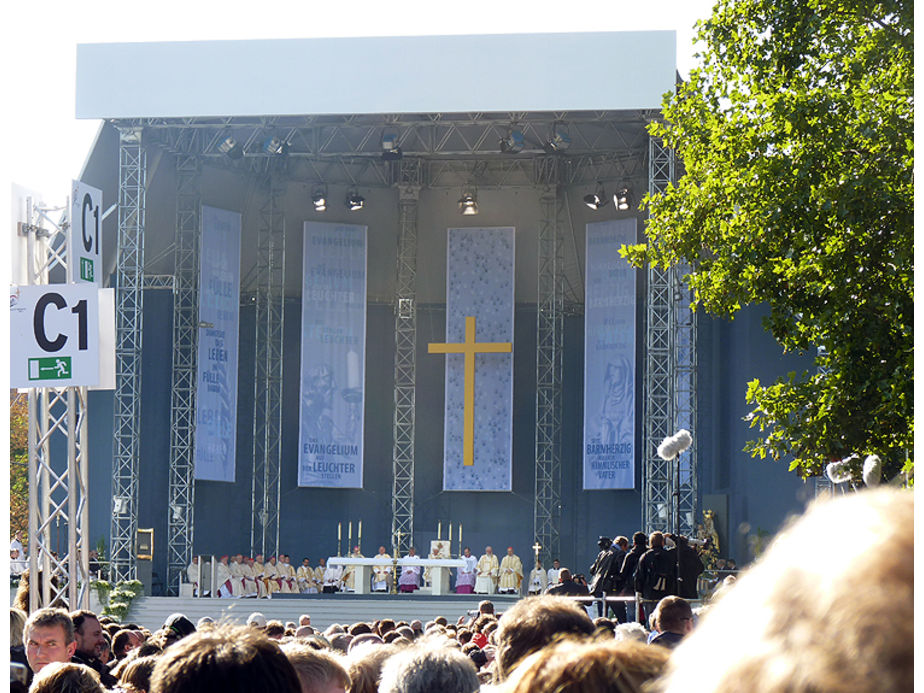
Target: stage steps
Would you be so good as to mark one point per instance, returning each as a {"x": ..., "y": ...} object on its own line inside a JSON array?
[{"x": 151, "y": 612}]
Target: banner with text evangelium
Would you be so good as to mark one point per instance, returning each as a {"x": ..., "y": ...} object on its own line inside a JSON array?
[
  {"x": 609, "y": 358},
  {"x": 216, "y": 377},
  {"x": 479, "y": 285},
  {"x": 333, "y": 362}
]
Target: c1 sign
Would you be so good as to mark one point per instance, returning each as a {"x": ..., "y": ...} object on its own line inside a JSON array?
[
  {"x": 84, "y": 254},
  {"x": 54, "y": 335}
]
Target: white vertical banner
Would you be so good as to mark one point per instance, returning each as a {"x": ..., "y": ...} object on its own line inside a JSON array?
[
  {"x": 216, "y": 375},
  {"x": 84, "y": 256},
  {"x": 609, "y": 358},
  {"x": 333, "y": 356}
]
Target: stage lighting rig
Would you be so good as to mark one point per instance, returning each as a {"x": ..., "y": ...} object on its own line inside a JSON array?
[
  {"x": 621, "y": 199},
  {"x": 319, "y": 198},
  {"x": 468, "y": 203},
  {"x": 231, "y": 148},
  {"x": 354, "y": 201},
  {"x": 596, "y": 199},
  {"x": 391, "y": 150}
]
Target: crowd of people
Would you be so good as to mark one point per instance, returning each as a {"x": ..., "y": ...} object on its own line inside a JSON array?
[{"x": 802, "y": 618}]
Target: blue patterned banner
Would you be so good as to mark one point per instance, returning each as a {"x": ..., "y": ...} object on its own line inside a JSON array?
[
  {"x": 479, "y": 285},
  {"x": 333, "y": 360},
  {"x": 216, "y": 377},
  {"x": 609, "y": 358}
]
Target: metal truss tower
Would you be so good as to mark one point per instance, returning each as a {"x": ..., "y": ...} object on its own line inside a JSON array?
[
  {"x": 549, "y": 328},
  {"x": 57, "y": 491},
  {"x": 670, "y": 380},
  {"x": 267, "y": 422},
  {"x": 129, "y": 304},
  {"x": 402, "y": 499},
  {"x": 181, "y": 485}
]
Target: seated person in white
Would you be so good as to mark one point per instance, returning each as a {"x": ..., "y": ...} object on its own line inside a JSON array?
[
  {"x": 487, "y": 571},
  {"x": 409, "y": 577},
  {"x": 381, "y": 574}
]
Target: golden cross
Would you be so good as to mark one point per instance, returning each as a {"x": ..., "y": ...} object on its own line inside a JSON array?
[{"x": 469, "y": 348}]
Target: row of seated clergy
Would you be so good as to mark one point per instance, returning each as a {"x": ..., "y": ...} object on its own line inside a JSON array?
[
  {"x": 237, "y": 576},
  {"x": 504, "y": 577}
]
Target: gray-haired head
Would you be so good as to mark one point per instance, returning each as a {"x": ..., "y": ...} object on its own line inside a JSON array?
[{"x": 429, "y": 667}]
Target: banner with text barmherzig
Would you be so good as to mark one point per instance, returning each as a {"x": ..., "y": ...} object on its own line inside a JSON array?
[
  {"x": 216, "y": 366},
  {"x": 609, "y": 358},
  {"x": 333, "y": 356},
  {"x": 479, "y": 285}
]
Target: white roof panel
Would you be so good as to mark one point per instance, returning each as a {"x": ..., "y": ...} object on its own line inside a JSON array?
[{"x": 416, "y": 74}]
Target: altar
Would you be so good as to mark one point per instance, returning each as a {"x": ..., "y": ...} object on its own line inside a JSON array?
[{"x": 439, "y": 570}]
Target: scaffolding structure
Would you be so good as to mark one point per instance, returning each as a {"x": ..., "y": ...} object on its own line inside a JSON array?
[
  {"x": 129, "y": 298},
  {"x": 267, "y": 423},
  {"x": 181, "y": 486},
  {"x": 669, "y": 486},
  {"x": 57, "y": 492}
]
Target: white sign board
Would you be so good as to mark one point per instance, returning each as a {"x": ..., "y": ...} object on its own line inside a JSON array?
[
  {"x": 84, "y": 255},
  {"x": 54, "y": 335}
]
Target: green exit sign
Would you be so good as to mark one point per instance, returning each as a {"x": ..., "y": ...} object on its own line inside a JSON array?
[
  {"x": 86, "y": 269},
  {"x": 50, "y": 368}
]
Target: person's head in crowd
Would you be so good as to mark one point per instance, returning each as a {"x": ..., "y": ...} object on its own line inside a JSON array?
[
  {"x": 341, "y": 642},
  {"x": 105, "y": 653},
  {"x": 488, "y": 550},
  {"x": 318, "y": 672},
  {"x": 364, "y": 665},
  {"x": 48, "y": 637},
  {"x": 467, "y": 551},
  {"x": 135, "y": 677},
  {"x": 18, "y": 619},
  {"x": 392, "y": 635},
  {"x": 582, "y": 666},
  {"x": 385, "y": 625},
  {"x": 601, "y": 623},
  {"x": 229, "y": 659},
  {"x": 556, "y": 564},
  {"x": 640, "y": 539},
  {"x": 359, "y": 628},
  {"x": 179, "y": 625},
  {"x": 66, "y": 677},
  {"x": 815, "y": 613},
  {"x": 429, "y": 667},
  {"x": 204, "y": 621},
  {"x": 417, "y": 626},
  {"x": 720, "y": 564},
  {"x": 304, "y": 631},
  {"x": 631, "y": 631},
  {"x": 88, "y": 633},
  {"x": 365, "y": 639},
  {"x": 274, "y": 629},
  {"x": 532, "y": 623},
  {"x": 565, "y": 575},
  {"x": 256, "y": 620},
  {"x": 304, "y": 619},
  {"x": 730, "y": 564},
  {"x": 673, "y": 619},
  {"x": 622, "y": 542},
  {"x": 656, "y": 540},
  {"x": 464, "y": 635},
  {"x": 486, "y": 606}
]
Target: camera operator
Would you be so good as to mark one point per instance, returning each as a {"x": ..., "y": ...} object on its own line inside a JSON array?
[
  {"x": 690, "y": 566},
  {"x": 604, "y": 572}
]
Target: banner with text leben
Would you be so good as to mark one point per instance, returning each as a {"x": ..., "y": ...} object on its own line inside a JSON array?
[
  {"x": 609, "y": 358},
  {"x": 333, "y": 356},
  {"x": 479, "y": 285},
  {"x": 216, "y": 378}
]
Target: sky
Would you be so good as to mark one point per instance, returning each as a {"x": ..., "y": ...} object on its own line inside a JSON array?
[{"x": 46, "y": 146}]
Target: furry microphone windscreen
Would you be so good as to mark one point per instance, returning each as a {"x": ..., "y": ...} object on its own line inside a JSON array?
[{"x": 673, "y": 445}]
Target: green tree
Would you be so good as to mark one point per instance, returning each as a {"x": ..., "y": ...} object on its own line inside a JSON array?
[
  {"x": 796, "y": 137},
  {"x": 19, "y": 465}
]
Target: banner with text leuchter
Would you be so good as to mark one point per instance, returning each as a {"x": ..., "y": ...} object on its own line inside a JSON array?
[
  {"x": 333, "y": 356},
  {"x": 216, "y": 377},
  {"x": 479, "y": 285},
  {"x": 609, "y": 358}
]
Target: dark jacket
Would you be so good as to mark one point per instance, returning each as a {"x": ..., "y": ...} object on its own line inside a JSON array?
[
  {"x": 107, "y": 679},
  {"x": 569, "y": 587},
  {"x": 604, "y": 578},
  {"x": 690, "y": 568},
  {"x": 667, "y": 639},
  {"x": 628, "y": 567},
  {"x": 656, "y": 575}
]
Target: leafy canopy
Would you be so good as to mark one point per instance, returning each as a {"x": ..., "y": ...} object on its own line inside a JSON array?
[{"x": 796, "y": 137}]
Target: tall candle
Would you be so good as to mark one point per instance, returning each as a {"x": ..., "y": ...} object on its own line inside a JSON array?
[
  {"x": 439, "y": 529},
  {"x": 460, "y": 538},
  {"x": 450, "y": 536},
  {"x": 359, "y": 537}
]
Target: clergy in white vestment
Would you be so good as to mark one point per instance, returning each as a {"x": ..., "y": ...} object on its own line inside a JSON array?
[
  {"x": 554, "y": 572},
  {"x": 381, "y": 574},
  {"x": 304, "y": 577},
  {"x": 223, "y": 578},
  {"x": 252, "y": 586},
  {"x": 511, "y": 573},
  {"x": 237, "y": 577},
  {"x": 538, "y": 580},
  {"x": 437, "y": 552},
  {"x": 333, "y": 578},
  {"x": 319, "y": 574},
  {"x": 349, "y": 572},
  {"x": 409, "y": 577},
  {"x": 486, "y": 572},
  {"x": 465, "y": 575},
  {"x": 192, "y": 574},
  {"x": 259, "y": 574},
  {"x": 288, "y": 580}
]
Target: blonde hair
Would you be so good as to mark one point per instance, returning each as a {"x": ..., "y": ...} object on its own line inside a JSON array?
[
  {"x": 823, "y": 610},
  {"x": 65, "y": 677}
]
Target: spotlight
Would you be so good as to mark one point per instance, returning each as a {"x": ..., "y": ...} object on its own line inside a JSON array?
[
  {"x": 319, "y": 198},
  {"x": 276, "y": 146},
  {"x": 231, "y": 148},
  {"x": 354, "y": 201},
  {"x": 513, "y": 142},
  {"x": 468, "y": 204},
  {"x": 559, "y": 140},
  {"x": 120, "y": 505},
  {"x": 177, "y": 512},
  {"x": 596, "y": 199},
  {"x": 621, "y": 199},
  {"x": 391, "y": 150}
]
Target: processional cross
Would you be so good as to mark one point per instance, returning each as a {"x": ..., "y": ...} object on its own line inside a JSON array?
[{"x": 469, "y": 348}]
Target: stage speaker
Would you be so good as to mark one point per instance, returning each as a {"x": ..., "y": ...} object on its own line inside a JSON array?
[{"x": 144, "y": 553}]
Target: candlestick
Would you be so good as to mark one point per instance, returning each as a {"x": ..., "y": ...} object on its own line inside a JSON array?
[
  {"x": 350, "y": 538},
  {"x": 359, "y": 538},
  {"x": 450, "y": 537},
  {"x": 339, "y": 535},
  {"x": 460, "y": 538},
  {"x": 439, "y": 530}
]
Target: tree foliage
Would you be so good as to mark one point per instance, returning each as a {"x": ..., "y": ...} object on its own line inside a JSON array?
[
  {"x": 19, "y": 465},
  {"x": 796, "y": 137}
]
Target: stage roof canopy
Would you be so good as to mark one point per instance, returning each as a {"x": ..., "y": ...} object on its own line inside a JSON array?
[{"x": 417, "y": 74}]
